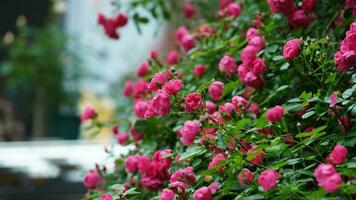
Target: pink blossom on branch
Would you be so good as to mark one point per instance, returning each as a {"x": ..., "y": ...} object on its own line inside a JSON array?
[{"x": 268, "y": 179}]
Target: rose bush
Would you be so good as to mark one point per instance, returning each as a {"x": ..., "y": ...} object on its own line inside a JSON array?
[{"x": 258, "y": 102}]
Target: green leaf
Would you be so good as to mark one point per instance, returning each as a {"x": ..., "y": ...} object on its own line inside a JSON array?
[
  {"x": 277, "y": 58},
  {"x": 261, "y": 122},
  {"x": 117, "y": 187},
  {"x": 314, "y": 132},
  {"x": 308, "y": 114},
  {"x": 192, "y": 151},
  {"x": 285, "y": 66},
  {"x": 240, "y": 124},
  {"x": 347, "y": 93}
]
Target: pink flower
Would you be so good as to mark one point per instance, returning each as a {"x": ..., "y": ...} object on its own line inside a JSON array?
[
  {"x": 216, "y": 118},
  {"x": 140, "y": 89},
  {"x": 151, "y": 183},
  {"x": 274, "y": 114},
  {"x": 333, "y": 99},
  {"x": 216, "y": 90},
  {"x": 259, "y": 155},
  {"x": 121, "y": 20},
  {"x": 143, "y": 69},
  {"x": 167, "y": 194},
  {"x": 179, "y": 188},
  {"x": 338, "y": 155},
  {"x": 173, "y": 86},
  {"x": 248, "y": 54},
  {"x": 245, "y": 176},
  {"x": 298, "y": 19},
  {"x": 106, "y": 197},
  {"x": 122, "y": 138},
  {"x": 253, "y": 80},
  {"x": 216, "y": 160},
  {"x": 193, "y": 101},
  {"x": 110, "y": 27},
  {"x": 254, "y": 108},
  {"x": 189, "y": 10},
  {"x": 154, "y": 55},
  {"x": 161, "y": 103},
  {"x": 181, "y": 32},
  {"x": 308, "y": 5},
  {"x": 135, "y": 135},
  {"x": 115, "y": 129},
  {"x": 184, "y": 175},
  {"x": 268, "y": 179},
  {"x": 140, "y": 108},
  {"x": 150, "y": 110},
  {"x": 281, "y": 6},
  {"x": 227, "y": 109},
  {"x": 258, "y": 42},
  {"x": 228, "y": 65},
  {"x": 292, "y": 49},
  {"x": 233, "y": 10},
  {"x": 91, "y": 179},
  {"x": 210, "y": 107},
  {"x": 157, "y": 81},
  {"x": 224, "y": 3},
  {"x": 199, "y": 70},
  {"x": 88, "y": 113},
  {"x": 258, "y": 66},
  {"x": 188, "y": 132},
  {"x": 187, "y": 42},
  {"x": 346, "y": 57},
  {"x": 205, "y": 193},
  {"x": 173, "y": 58},
  {"x": 327, "y": 177},
  {"x": 144, "y": 165},
  {"x": 239, "y": 103},
  {"x": 131, "y": 163},
  {"x": 251, "y": 33}
]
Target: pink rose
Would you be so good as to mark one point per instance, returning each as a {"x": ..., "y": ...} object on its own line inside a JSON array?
[
  {"x": 281, "y": 6},
  {"x": 143, "y": 69},
  {"x": 181, "y": 32},
  {"x": 150, "y": 110},
  {"x": 122, "y": 138},
  {"x": 173, "y": 86},
  {"x": 157, "y": 81},
  {"x": 188, "y": 42},
  {"x": 88, "y": 113},
  {"x": 233, "y": 10},
  {"x": 308, "y": 5},
  {"x": 227, "y": 109},
  {"x": 210, "y": 107},
  {"x": 161, "y": 103},
  {"x": 121, "y": 20},
  {"x": 248, "y": 54},
  {"x": 228, "y": 65},
  {"x": 140, "y": 89},
  {"x": 199, "y": 70},
  {"x": 189, "y": 10},
  {"x": 106, "y": 197},
  {"x": 179, "y": 188},
  {"x": 131, "y": 163},
  {"x": 144, "y": 165},
  {"x": 327, "y": 177},
  {"x": 253, "y": 80},
  {"x": 298, "y": 19},
  {"x": 216, "y": 90},
  {"x": 258, "y": 66},
  {"x": 245, "y": 176},
  {"x": 140, "y": 108},
  {"x": 167, "y": 194},
  {"x": 274, "y": 114},
  {"x": 240, "y": 103},
  {"x": 224, "y": 3},
  {"x": 292, "y": 49},
  {"x": 151, "y": 183},
  {"x": 205, "y": 193},
  {"x": 154, "y": 55},
  {"x": 91, "y": 179},
  {"x": 173, "y": 58},
  {"x": 258, "y": 42},
  {"x": 216, "y": 160},
  {"x": 188, "y": 132},
  {"x": 216, "y": 118},
  {"x": 110, "y": 27},
  {"x": 338, "y": 155},
  {"x": 193, "y": 101},
  {"x": 268, "y": 179},
  {"x": 184, "y": 175},
  {"x": 251, "y": 33}
]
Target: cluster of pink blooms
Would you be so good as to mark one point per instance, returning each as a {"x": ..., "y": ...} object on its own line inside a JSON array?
[
  {"x": 185, "y": 38},
  {"x": 346, "y": 57},
  {"x": 297, "y": 17},
  {"x": 111, "y": 25},
  {"x": 88, "y": 114},
  {"x": 326, "y": 174},
  {"x": 229, "y": 9},
  {"x": 91, "y": 179},
  {"x": 153, "y": 171},
  {"x": 252, "y": 67}
]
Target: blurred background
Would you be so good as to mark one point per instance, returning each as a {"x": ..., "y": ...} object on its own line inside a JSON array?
[{"x": 54, "y": 61}]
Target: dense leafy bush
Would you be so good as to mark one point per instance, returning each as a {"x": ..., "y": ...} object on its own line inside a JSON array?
[{"x": 257, "y": 103}]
